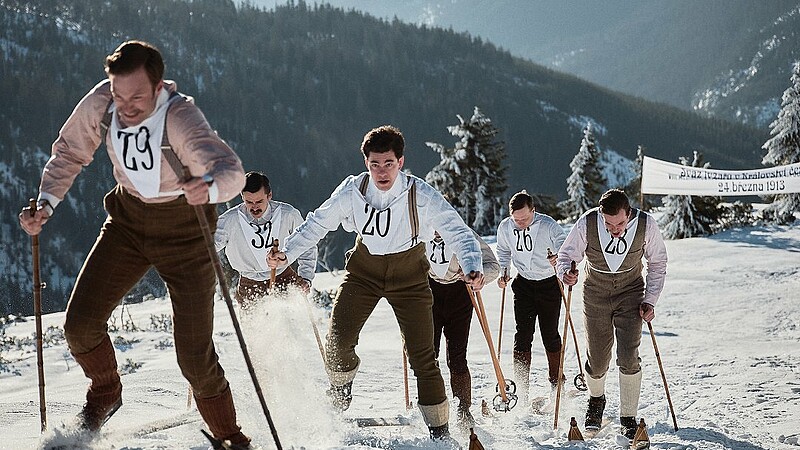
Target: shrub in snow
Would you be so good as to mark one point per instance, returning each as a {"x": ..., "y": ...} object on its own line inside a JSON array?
[
  {"x": 784, "y": 148},
  {"x": 161, "y": 322},
  {"x": 472, "y": 175},
  {"x": 164, "y": 344},
  {"x": 123, "y": 344},
  {"x": 130, "y": 366},
  {"x": 53, "y": 335},
  {"x": 323, "y": 299}
]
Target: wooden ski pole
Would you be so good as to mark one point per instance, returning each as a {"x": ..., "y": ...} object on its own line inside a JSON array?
[
  {"x": 209, "y": 238},
  {"x": 663, "y": 376},
  {"x": 273, "y": 272},
  {"x": 563, "y": 347},
  {"x": 477, "y": 303},
  {"x": 502, "y": 310},
  {"x": 581, "y": 376},
  {"x": 37, "y": 311},
  {"x": 316, "y": 330},
  {"x": 405, "y": 377}
]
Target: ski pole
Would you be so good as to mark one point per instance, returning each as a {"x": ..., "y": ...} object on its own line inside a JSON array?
[
  {"x": 663, "y": 376},
  {"x": 206, "y": 229},
  {"x": 477, "y": 303},
  {"x": 580, "y": 379},
  {"x": 563, "y": 347},
  {"x": 405, "y": 377},
  {"x": 316, "y": 330},
  {"x": 273, "y": 272},
  {"x": 502, "y": 310},
  {"x": 37, "y": 311}
]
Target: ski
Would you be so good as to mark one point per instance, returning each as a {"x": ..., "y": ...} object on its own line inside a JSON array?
[
  {"x": 591, "y": 433},
  {"x": 546, "y": 405},
  {"x": 217, "y": 444},
  {"x": 398, "y": 421}
]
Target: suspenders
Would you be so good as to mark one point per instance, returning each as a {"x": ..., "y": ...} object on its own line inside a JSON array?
[{"x": 413, "y": 213}]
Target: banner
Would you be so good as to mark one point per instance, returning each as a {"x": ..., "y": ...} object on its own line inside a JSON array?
[{"x": 661, "y": 177}]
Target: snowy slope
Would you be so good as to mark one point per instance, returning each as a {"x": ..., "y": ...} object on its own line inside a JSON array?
[{"x": 727, "y": 327}]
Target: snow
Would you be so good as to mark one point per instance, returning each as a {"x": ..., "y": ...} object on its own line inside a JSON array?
[{"x": 727, "y": 327}]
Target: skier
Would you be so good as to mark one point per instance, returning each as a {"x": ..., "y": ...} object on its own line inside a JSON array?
[
  {"x": 523, "y": 239},
  {"x": 151, "y": 223},
  {"x": 614, "y": 238},
  {"x": 393, "y": 214},
  {"x": 452, "y": 314},
  {"x": 246, "y": 232}
]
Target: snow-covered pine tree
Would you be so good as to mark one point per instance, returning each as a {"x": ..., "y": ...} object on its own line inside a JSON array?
[
  {"x": 634, "y": 188},
  {"x": 687, "y": 216},
  {"x": 472, "y": 175},
  {"x": 784, "y": 148},
  {"x": 587, "y": 182}
]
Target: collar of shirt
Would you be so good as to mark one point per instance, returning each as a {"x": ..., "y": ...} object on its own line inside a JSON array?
[
  {"x": 163, "y": 97},
  {"x": 381, "y": 199}
]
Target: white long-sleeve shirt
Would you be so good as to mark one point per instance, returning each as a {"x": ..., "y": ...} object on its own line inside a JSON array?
[
  {"x": 242, "y": 250},
  {"x": 655, "y": 253},
  {"x": 527, "y": 248},
  {"x": 382, "y": 220}
]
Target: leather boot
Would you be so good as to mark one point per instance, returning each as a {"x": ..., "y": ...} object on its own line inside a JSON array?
[
  {"x": 461, "y": 383},
  {"x": 220, "y": 416},
  {"x": 553, "y": 363},
  {"x": 594, "y": 413},
  {"x": 522, "y": 370},
  {"x": 104, "y": 396},
  {"x": 340, "y": 396}
]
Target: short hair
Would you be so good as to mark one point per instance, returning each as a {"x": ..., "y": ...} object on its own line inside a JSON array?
[
  {"x": 131, "y": 55},
  {"x": 383, "y": 139},
  {"x": 255, "y": 181},
  {"x": 520, "y": 200},
  {"x": 613, "y": 201}
]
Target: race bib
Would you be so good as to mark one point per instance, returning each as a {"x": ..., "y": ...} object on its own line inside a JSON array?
[
  {"x": 616, "y": 249},
  {"x": 438, "y": 256},
  {"x": 259, "y": 236},
  {"x": 522, "y": 243},
  {"x": 380, "y": 229},
  {"x": 138, "y": 150}
]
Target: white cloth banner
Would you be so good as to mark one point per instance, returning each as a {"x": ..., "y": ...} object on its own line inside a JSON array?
[{"x": 661, "y": 177}]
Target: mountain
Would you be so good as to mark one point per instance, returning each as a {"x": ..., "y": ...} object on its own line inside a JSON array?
[
  {"x": 293, "y": 90},
  {"x": 730, "y": 363},
  {"x": 729, "y": 58}
]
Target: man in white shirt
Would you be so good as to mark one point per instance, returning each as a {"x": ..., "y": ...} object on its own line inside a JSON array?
[
  {"x": 523, "y": 239},
  {"x": 452, "y": 315},
  {"x": 246, "y": 232},
  {"x": 616, "y": 298},
  {"x": 393, "y": 214}
]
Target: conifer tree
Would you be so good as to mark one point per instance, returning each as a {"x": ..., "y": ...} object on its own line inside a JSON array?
[
  {"x": 634, "y": 188},
  {"x": 472, "y": 174},
  {"x": 784, "y": 148},
  {"x": 687, "y": 216},
  {"x": 587, "y": 182}
]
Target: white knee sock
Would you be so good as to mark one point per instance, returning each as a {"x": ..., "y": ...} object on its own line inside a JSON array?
[{"x": 629, "y": 388}]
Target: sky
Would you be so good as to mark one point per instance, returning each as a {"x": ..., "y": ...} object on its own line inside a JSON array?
[{"x": 727, "y": 327}]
